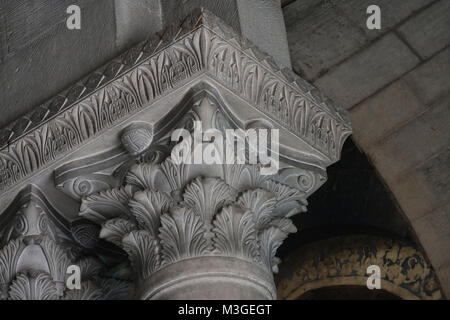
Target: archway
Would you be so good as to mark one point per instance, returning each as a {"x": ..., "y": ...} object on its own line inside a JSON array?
[{"x": 343, "y": 261}]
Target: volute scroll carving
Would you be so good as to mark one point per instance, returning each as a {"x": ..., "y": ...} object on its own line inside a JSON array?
[
  {"x": 167, "y": 213},
  {"x": 179, "y": 222},
  {"x": 36, "y": 251}
]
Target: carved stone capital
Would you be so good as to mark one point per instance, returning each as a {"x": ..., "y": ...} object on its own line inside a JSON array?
[
  {"x": 107, "y": 144},
  {"x": 201, "y": 47},
  {"x": 196, "y": 223}
]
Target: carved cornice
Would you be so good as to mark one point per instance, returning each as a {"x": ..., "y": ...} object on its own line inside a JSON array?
[
  {"x": 344, "y": 261},
  {"x": 201, "y": 45}
]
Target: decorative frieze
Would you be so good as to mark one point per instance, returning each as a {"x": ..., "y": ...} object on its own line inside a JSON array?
[
  {"x": 201, "y": 46},
  {"x": 182, "y": 223}
]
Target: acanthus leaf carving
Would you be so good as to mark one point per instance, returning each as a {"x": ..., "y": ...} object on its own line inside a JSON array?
[
  {"x": 115, "y": 289},
  {"x": 35, "y": 260},
  {"x": 261, "y": 203},
  {"x": 88, "y": 291},
  {"x": 235, "y": 233},
  {"x": 181, "y": 235},
  {"x": 58, "y": 262},
  {"x": 143, "y": 251},
  {"x": 111, "y": 203},
  {"x": 115, "y": 229},
  {"x": 33, "y": 286},
  {"x": 9, "y": 255},
  {"x": 198, "y": 49},
  {"x": 271, "y": 239},
  {"x": 206, "y": 196},
  {"x": 161, "y": 212},
  {"x": 147, "y": 207}
]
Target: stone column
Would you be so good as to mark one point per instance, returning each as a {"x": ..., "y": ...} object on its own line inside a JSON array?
[{"x": 196, "y": 221}]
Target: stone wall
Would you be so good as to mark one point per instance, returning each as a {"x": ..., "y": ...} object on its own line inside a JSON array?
[{"x": 395, "y": 83}]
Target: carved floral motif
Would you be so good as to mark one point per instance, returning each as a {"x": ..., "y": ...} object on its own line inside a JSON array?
[
  {"x": 173, "y": 214},
  {"x": 344, "y": 260},
  {"x": 34, "y": 261},
  {"x": 202, "y": 45}
]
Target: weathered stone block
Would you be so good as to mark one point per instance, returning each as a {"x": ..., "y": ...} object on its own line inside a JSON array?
[
  {"x": 368, "y": 71},
  {"x": 414, "y": 143},
  {"x": 431, "y": 80},
  {"x": 322, "y": 39},
  {"x": 295, "y": 11},
  {"x": 436, "y": 175},
  {"x": 429, "y": 32},
  {"x": 444, "y": 277},
  {"x": 392, "y": 12},
  {"x": 433, "y": 231},
  {"x": 412, "y": 194},
  {"x": 135, "y": 20},
  {"x": 21, "y": 30},
  {"x": 384, "y": 112},
  {"x": 56, "y": 60}
]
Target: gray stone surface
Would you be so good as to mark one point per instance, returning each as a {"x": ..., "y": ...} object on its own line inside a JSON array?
[
  {"x": 412, "y": 194},
  {"x": 431, "y": 81},
  {"x": 30, "y": 72},
  {"x": 392, "y": 12},
  {"x": 433, "y": 231},
  {"x": 183, "y": 226},
  {"x": 368, "y": 71},
  {"x": 296, "y": 11},
  {"x": 413, "y": 144},
  {"x": 444, "y": 277},
  {"x": 429, "y": 31},
  {"x": 398, "y": 87},
  {"x": 262, "y": 22},
  {"x": 136, "y": 20},
  {"x": 321, "y": 39},
  {"x": 384, "y": 113},
  {"x": 20, "y": 30},
  {"x": 55, "y": 60},
  {"x": 436, "y": 176}
]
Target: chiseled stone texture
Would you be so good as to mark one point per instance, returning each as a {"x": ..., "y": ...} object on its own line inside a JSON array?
[
  {"x": 431, "y": 80},
  {"x": 262, "y": 22},
  {"x": 41, "y": 65},
  {"x": 385, "y": 112},
  {"x": 429, "y": 31},
  {"x": 392, "y": 12},
  {"x": 397, "y": 88},
  {"x": 368, "y": 71},
  {"x": 444, "y": 277},
  {"x": 135, "y": 20},
  {"x": 437, "y": 176},
  {"x": 433, "y": 230},
  {"x": 295, "y": 11},
  {"x": 320, "y": 39},
  {"x": 413, "y": 143}
]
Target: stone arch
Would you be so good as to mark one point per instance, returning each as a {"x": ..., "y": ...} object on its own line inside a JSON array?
[{"x": 343, "y": 261}]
